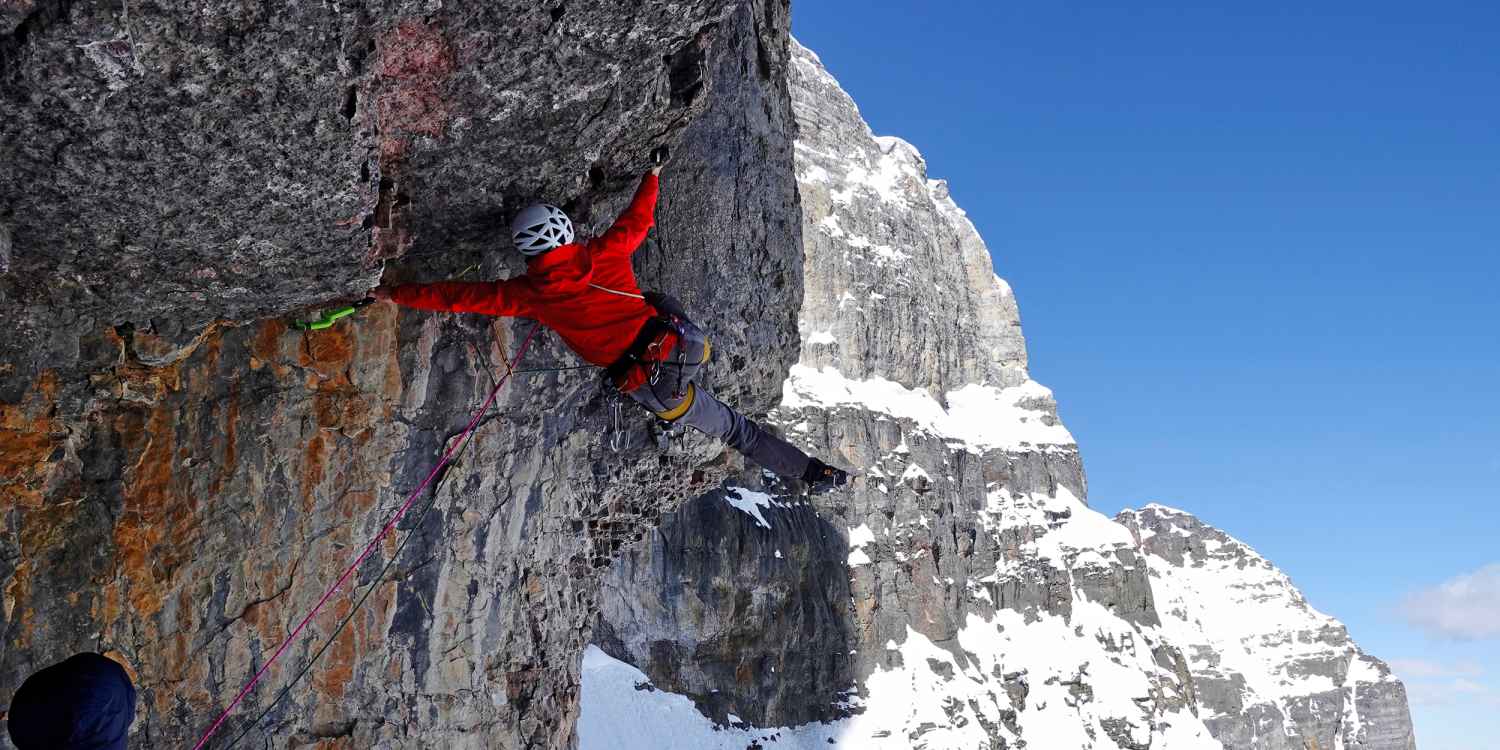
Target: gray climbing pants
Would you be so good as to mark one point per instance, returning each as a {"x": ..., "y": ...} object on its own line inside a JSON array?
[{"x": 672, "y": 395}]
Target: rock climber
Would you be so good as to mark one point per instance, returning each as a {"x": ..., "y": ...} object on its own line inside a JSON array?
[
  {"x": 86, "y": 702},
  {"x": 649, "y": 348}
]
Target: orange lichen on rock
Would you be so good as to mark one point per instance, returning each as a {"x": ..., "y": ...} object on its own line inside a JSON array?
[
  {"x": 327, "y": 354},
  {"x": 154, "y": 533},
  {"x": 314, "y": 464},
  {"x": 231, "y": 440},
  {"x": 265, "y": 347},
  {"x": 30, "y": 440},
  {"x": 337, "y": 668},
  {"x": 139, "y": 532},
  {"x": 29, "y": 436}
]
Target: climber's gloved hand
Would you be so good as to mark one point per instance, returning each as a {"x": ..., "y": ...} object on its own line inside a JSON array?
[
  {"x": 820, "y": 477},
  {"x": 658, "y": 157}
]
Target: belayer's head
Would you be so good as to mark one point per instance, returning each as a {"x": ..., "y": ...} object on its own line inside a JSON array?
[
  {"x": 86, "y": 701},
  {"x": 540, "y": 227}
]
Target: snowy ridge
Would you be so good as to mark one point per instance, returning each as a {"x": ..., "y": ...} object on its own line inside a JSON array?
[
  {"x": 1078, "y": 677},
  {"x": 1250, "y": 637}
]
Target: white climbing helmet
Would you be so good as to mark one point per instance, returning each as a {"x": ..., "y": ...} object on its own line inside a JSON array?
[{"x": 540, "y": 227}]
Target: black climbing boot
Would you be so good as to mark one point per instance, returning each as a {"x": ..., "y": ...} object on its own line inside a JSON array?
[{"x": 820, "y": 477}]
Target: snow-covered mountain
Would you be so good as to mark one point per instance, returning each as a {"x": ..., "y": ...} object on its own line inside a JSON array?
[
  {"x": 962, "y": 594},
  {"x": 1269, "y": 671}
]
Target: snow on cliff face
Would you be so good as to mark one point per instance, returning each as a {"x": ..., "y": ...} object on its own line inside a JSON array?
[
  {"x": 1270, "y": 671},
  {"x": 961, "y": 594}
]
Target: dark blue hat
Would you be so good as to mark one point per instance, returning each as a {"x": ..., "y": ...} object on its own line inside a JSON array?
[{"x": 83, "y": 703}]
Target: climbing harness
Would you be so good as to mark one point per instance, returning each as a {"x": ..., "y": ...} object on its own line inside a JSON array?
[
  {"x": 332, "y": 316},
  {"x": 681, "y": 363},
  {"x": 369, "y": 548},
  {"x": 641, "y": 362}
]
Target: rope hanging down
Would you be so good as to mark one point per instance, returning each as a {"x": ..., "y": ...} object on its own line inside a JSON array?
[{"x": 369, "y": 548}]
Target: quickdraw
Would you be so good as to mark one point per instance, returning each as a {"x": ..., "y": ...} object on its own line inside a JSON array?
[
  {"x": 617, "y": 422},
  {"x": 332, "y": 316}
]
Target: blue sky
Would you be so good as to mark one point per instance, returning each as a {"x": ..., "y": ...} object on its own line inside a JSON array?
[{"x": 1257, "y": 251}]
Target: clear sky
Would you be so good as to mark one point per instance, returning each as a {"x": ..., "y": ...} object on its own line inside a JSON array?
[{"x": 1257, "y": 251}]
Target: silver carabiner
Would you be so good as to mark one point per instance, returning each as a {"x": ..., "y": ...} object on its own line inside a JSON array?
[{"x": 617, "y": 436}]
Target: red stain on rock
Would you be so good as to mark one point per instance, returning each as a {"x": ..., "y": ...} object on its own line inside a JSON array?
[
  {"x": 414, "y": 51},
  {"x": 393, "y": 152},
  {"x": 414, "y": 110},
  {"x": 415, "y": 62}
]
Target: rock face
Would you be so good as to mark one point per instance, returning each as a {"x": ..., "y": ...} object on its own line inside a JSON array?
[
  {"x": 181, "y": 486},
  {"x": 962, "y": 594},
  {"x": 1271, "y": 671},
  {"x": 172, "y": 164}
]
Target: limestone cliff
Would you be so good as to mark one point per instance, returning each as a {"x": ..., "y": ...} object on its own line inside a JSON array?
[
  {"x": 962, "y": 594},
  {"x": 183, "y": 475}
]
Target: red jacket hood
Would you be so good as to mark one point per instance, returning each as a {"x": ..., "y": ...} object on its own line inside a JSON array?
[{"x": 566, "y": 269}]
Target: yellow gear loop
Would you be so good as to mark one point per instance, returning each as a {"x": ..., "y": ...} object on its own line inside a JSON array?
[{"x": 676, "y": 412}]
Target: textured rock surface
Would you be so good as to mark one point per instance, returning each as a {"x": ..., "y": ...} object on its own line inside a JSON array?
[
  {"x": 1272, "y": 672},
  {"x": 181, "y": 487},
  {"x": 985, "y": 605},
  {"x": 169, "y": 164}
]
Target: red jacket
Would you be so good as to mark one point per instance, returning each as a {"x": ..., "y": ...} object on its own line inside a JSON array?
[{"x": 556, "y": 288}]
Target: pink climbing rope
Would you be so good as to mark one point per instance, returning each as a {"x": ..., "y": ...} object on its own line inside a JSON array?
[{"x": 369, "y": 548}]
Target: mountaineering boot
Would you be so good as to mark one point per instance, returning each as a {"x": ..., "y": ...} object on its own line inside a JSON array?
[{"x": 820, "y": 477}]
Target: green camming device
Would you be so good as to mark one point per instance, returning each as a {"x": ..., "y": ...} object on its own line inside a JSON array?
[{"x": 331, "y": 316}]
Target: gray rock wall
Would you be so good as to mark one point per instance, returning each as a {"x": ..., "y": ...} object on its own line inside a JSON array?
[{"x": 180, "y": 486}]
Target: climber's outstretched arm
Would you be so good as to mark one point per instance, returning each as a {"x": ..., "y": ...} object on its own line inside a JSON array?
[
  {"x": 509, "y": 297},
  {"x": 629, "y": 231}
]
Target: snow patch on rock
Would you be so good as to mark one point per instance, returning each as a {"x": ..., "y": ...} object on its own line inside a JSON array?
[{"x": 980, "y": 417}]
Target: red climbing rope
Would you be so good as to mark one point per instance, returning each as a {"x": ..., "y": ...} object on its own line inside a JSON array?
[{"x": 369, "y": 548}]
